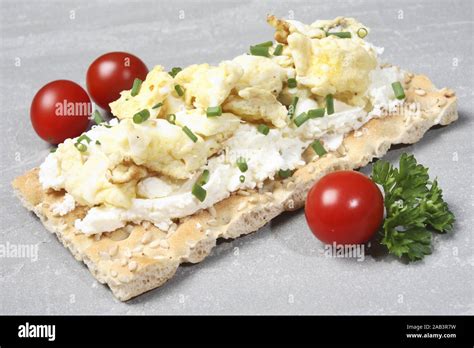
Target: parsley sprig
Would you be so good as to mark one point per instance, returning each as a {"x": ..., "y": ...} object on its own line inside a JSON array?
[{"x": 415, "y": 208}]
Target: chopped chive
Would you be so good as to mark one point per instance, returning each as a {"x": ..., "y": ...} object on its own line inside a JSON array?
[
  {"x": 318, "y": 148},
  {"x": 190, "y": 134},
  {"x": 285, "y": 173},
  {"x": 171, "y": 118},
  {"x": 174, "y": 71},
  {"x": 362, "y": 32},
  {"x": 301, "y": 118},
  {"x": 81, "y": 147},
  {"x": 83, "y": 137},
  {"x": 242, "y": 164},
  {"x": 265, "y": 44},
  {"x": 141, "y": 116},
  {"x": 278, "y": 50},
  {"x": 263, "y": 128},
  {"x": 53, "y": 149},
  {"x": 398, "y": 90},
  {"x": 342, "y": 34},
  {"x": 330, "y": 104},
  {"x": 291, "y": 83},
  {"x": 242, "y": 178},
  {"x": 97, "y": 142},
  {"x": 156, "y": 106},
  {"x": 292, "y": 107},
  {"x": 107, "y": 126},
  {"x": 315, "y": 113},
  {"x": 137, "y": 83},
  {"x": 179, "y": 90},
  {"x": 203, "y": 178},
  {"x": 199, "y": 192},
  {"x": 213, "y": 111},
  {"x": 259, "y": 51},
  {"x": 97, "y": 117}
]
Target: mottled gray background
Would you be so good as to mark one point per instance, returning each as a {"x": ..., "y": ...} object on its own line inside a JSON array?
[{"x": 281, "y": 269}]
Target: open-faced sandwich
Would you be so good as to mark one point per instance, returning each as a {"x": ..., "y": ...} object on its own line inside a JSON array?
[{"x": 210, "y": 152}]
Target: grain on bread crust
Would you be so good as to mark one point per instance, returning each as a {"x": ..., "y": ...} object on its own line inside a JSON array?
[{"x": 138, "y": 258}]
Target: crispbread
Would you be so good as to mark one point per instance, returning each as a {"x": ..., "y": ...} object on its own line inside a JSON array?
[{"x": 142, "y": 258}]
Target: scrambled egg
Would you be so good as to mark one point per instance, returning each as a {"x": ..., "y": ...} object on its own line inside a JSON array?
[
  {"x": 257, "y": 91},
  {"x": 155, "y": 89},
  {"x": 260, "y": 72},
  {"x": 332, "y": 65},
  {"x": 208, "y": 86},
  {"x": 255, "y": 104},
  {"x": 108, "y": 172},
  {"x": 222, "y": 127}
]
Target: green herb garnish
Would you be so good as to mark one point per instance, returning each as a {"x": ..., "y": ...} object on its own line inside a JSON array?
[
  {"x": 141, "y": 116},
  {"x": 415, "y": 208},
  {"x": 137, "y": 83},
  {"x": 278, "y": 50},
  {"x": 398, "y": 90}
]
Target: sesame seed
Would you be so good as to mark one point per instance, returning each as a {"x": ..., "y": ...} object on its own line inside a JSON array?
[
  {"x": 290, "y": 185},
  {"x": 97, "y": 236},
  {"x": 147, "y": 238},
  {"x": 138, "y": 249},
  {"x": 146, "y": 224},
  {"x": 442, "y": 102},
  {"x": 113, "y": 273},
  {"x": 198, "y": 226},
  {"x": 289, "y": 204},
  {"x": 253, "y": 199},
  {"x": 173, "y": 227},
  {"x": 269, "y": 194},
  {"x": 132, "y": 266},
  {"x": 128, "y": 253},
  {"x": 410, "y": 75},
  {"x": 123, "y": 262},
  {"x": 128, "y": 228},
  {"x": 164, "y": 244},
  {"x": 212, "y": 211},
  {"x": 212, "y": 222},
  {"x": 243, "y": 193},
  {"x": 207, "y": 232},
  {"x": 242, "y": 206},
  {"x": 311, "y": 169},
  {"x": 420, "y": 92},
  {"x": 155, "y": 244},
  {"x": 113, "y": 250}
]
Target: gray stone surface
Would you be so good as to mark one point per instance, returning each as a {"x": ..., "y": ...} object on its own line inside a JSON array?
[{"x": 280, "y": 269}]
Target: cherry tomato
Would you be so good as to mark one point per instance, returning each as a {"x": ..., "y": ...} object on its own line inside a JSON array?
[
  {"x": 112, "y": 73},
  {"x": 60, "y": 110},
  {"x": 344, "y": 207}
]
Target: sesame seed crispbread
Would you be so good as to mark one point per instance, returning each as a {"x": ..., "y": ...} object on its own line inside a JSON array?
[{"x": 138, "y": 258}]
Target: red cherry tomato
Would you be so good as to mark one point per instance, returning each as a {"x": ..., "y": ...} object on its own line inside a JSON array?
[
  {"x": 344, "y": 207},
  {"x": 60, "y": 110},
  {"x": 112, "y": 73}
]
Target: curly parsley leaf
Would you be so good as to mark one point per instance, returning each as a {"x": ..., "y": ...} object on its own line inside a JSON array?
[{"x": 414, "y": 205}]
